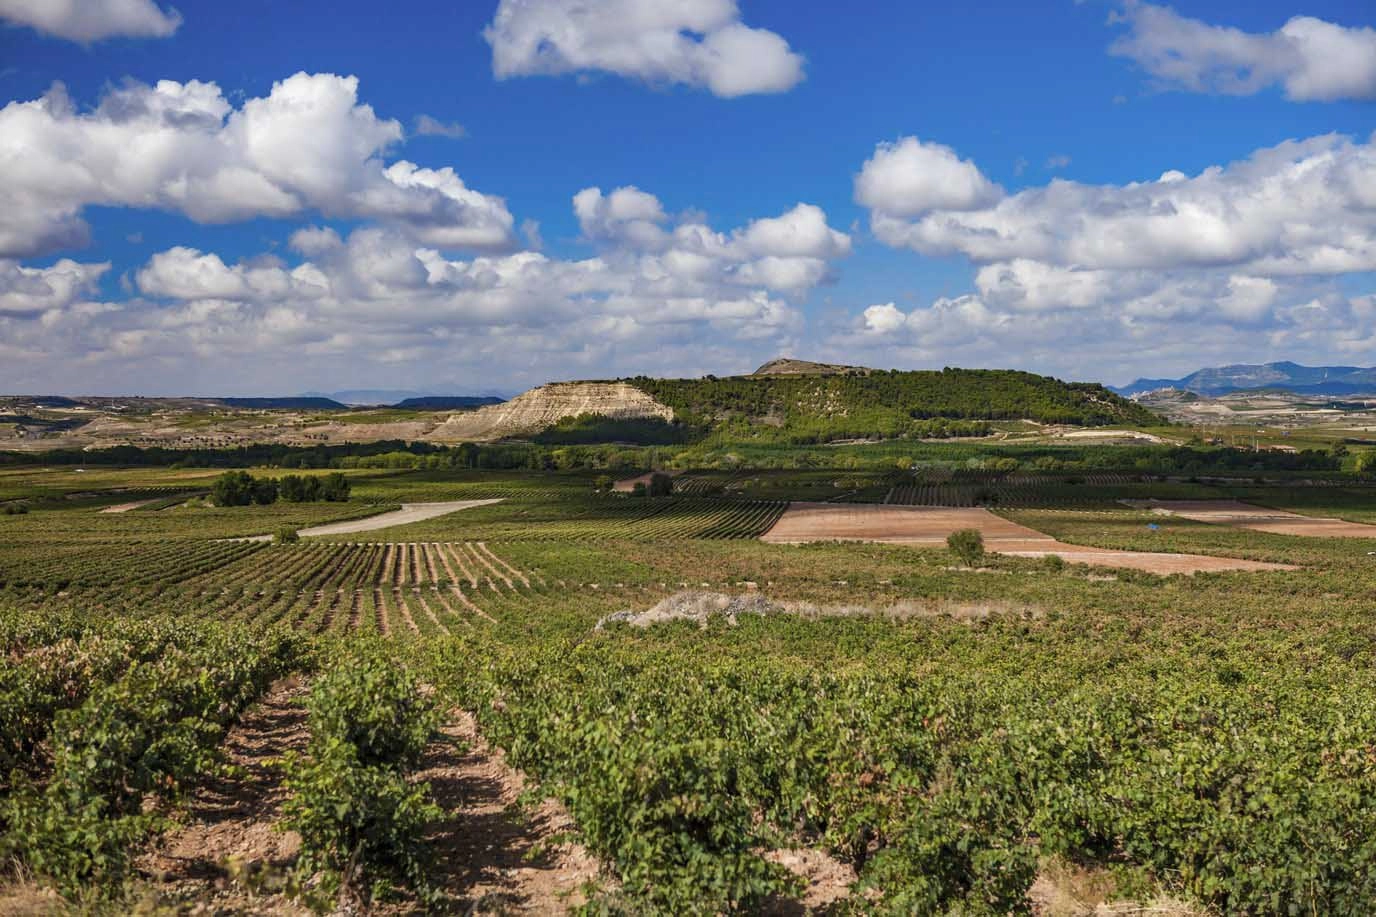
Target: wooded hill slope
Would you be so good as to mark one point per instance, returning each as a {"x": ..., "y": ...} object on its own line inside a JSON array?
[{"x": 825, "y": 408}]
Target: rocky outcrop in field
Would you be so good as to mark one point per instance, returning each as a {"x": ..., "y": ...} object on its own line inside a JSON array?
[{"x": 545, "y": 405}]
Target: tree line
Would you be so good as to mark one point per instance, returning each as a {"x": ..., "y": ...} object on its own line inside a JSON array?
[{"x": 239, "y": 488}]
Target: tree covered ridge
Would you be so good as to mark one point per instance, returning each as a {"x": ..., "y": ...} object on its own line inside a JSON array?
[{"x": 888, "y": 403}]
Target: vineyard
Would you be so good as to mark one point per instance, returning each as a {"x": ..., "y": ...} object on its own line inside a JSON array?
[
  {"x": 584, "y": 517},
  {"x": 920, "y": 738}
]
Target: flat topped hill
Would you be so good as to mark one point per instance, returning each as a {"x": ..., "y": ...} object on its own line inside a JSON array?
[
  {"x": 786, "y": 366},
  {"x": 544, "y": 406}
]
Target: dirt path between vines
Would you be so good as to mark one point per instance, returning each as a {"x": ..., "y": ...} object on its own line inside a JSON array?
[
  {"x": 409, "y": 512},
  {"x": 493, "y": 857},
  {"x": 229, "y": 824},
  {"x": 500, "y": 859},
  {"x": 126, "y": 507}
]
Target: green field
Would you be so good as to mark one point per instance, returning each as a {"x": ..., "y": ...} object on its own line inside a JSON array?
[{"x": 943, "y": 739}]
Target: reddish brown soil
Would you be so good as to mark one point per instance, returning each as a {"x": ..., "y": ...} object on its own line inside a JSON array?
[
  {"x": 828, "y": 881},
  {"x": 491, "y": 856},
  {"x": 500, "y": 859},
  {"x": 930, "y": 526},
  {"x": 1258, "y": 518},
  {"x": 229, "y": 828}
]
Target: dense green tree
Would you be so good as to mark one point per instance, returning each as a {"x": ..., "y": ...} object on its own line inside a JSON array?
[
  {"x": 264, "y": 491},
  {"x": 1366, "y": 465},
  {"x": 233, "y": 488},
  {"x": 334, "y": 488}
]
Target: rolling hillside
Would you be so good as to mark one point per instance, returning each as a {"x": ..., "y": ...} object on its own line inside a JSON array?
[{"x": 811, "y": 408}]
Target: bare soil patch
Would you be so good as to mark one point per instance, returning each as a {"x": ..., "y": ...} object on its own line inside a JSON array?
[
  {"x": 930, "y": 526},
  {"x": 499, "y": 858},
  {"x": 828, "y": 881},
  {"x": 1257, "y": 518},
  {"x": 126, "y": 507},
  {"x": 229, "y": 830}
]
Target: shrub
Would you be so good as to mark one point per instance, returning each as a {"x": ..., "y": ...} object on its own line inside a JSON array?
[
  {"x": 967, "y": 545},
  {"x": 1366, "y": 465},
  {"x": 362, "y": 822},
  {"x": 374, "y": 704},
  {"x": 1054, "y": 563},
  {"x": 334, "y": 488},
  {"x": 16, "y": 509},
  {"x": 360, "y": 826},
  {"x": 286, "y": 535},
  {"x": 264, "y": 492}
]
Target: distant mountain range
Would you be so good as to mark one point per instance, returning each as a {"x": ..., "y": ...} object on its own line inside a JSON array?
[
  {"x": 407, "y": 399},
  {"x": 1283, "y": 376}
]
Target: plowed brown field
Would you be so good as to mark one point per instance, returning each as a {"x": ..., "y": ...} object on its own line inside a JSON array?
[
  {"x": 1257, "y": 518},
  {"x": 930, "y": 526}
]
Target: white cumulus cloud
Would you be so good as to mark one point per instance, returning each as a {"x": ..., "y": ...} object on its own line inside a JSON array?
[
  {"x": 700, "y": 43},
  {"x": 1299, "y": 207},
  {"x": 308, "y": 146},
  {"x": 87, "y": 21},
  {"x": 909, "y": 178},
  {"x": 31, "y": 291},
  {"x": 378, "y": 300},
  {"x": 1248, "y": 257},
  {"x": 1314, "y": 60}
]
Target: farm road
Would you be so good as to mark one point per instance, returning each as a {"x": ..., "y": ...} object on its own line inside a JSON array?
[{"x": 409, "y": 512}]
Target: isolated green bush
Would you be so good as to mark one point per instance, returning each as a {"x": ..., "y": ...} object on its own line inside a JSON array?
[{"x": 967, "y": 545}]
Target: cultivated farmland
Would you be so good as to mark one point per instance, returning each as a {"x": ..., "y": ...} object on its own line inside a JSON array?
[{"x": 869, "y": 724}]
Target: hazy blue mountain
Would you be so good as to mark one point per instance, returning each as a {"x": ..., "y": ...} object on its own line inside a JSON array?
[
  {"x": 1283, "y": 376},
  {"x": 367, "y": 395},
  {"x": 290, "y": 403},
  {"x": 403, "y": 398},
  {"x": 448, "y": 402}
]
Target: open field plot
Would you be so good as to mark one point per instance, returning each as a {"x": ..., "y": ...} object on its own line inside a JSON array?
[
  {"x": 930, "y": 526},
  {"x": 28, "y": 482},
  {"x": 190, "y": 522},
  {"x": 1258, "y": 518},
  {"x": 1142, "y": 530}
]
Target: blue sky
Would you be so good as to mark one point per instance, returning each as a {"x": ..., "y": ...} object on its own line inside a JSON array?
[{"x": 1044, "y": 125}]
